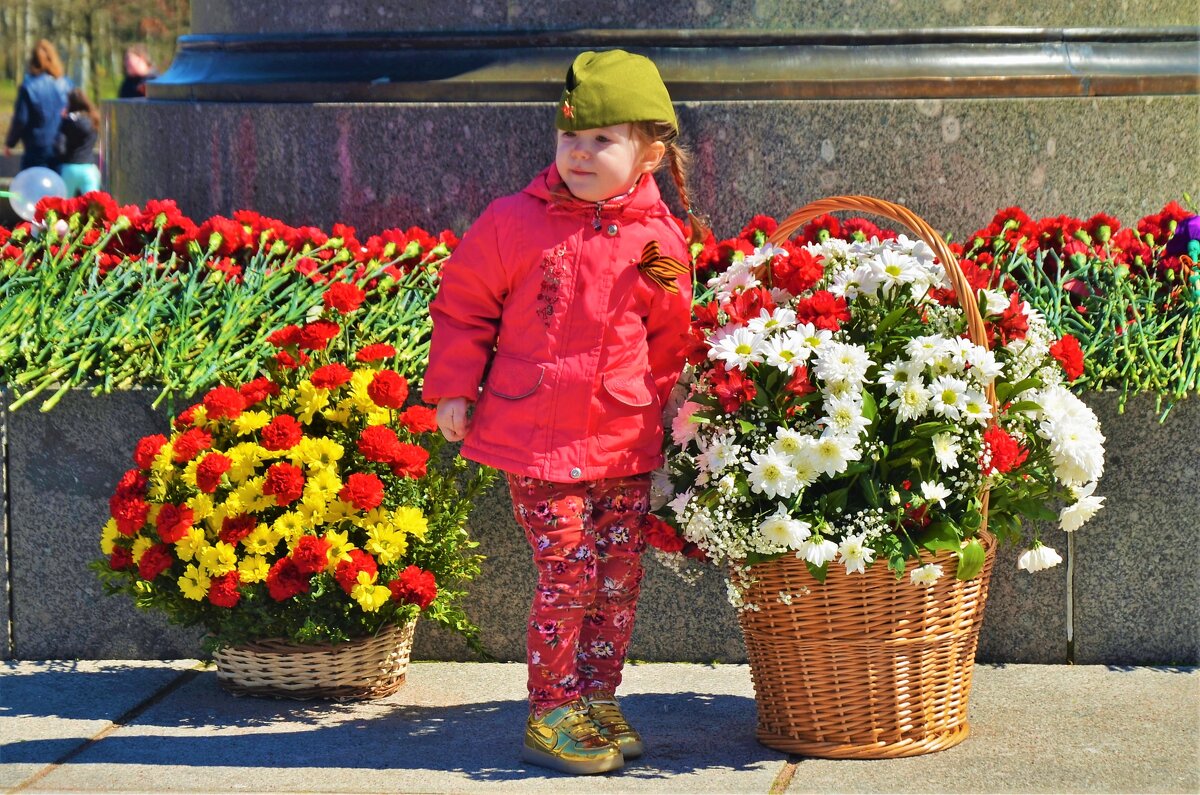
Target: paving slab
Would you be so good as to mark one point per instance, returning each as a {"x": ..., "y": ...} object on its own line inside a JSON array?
[{"x": 49, "y": 709}]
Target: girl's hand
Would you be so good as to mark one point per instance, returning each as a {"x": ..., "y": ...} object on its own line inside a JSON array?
[{"x": 452, "y": 418}]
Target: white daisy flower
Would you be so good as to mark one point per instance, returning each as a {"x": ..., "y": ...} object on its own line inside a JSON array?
[
  {"x": 781, "y": 529},
  {"x": 810, "y": 338},
  {"x": 946, "y": 450},
  {"x": 832, "y": 454},
  {"x": 785, "y": 352},
  {"x": 925, "y": 575},
  {"x": 926, "y": 348},
  {"x": 855, "y": 553},
  {"x": 765, "y": 253},
  {"x": 1038, "y": 558},
  {"x": 721, "y": 453},
  {"x": 817, "y": 551},
  {"x": 771, "y": 473},
  {"x": 893, "y": 269},
  {"x": 1086, "y": 505},
  {"x": 737, "y": 278},
  {"x": 984, "y": 367},
  {"x": 912, "y": 401},
  {"x": 932, "y": 491},
  {"x": 738, "y": 350},
  {"x": 844, "y": 417},
  {"x": 948, "y": 394},
  {"x": 838, "y": 362},
  {"x": 782, "y": 318},
  {"x": 975, "y": 407},
  {"x": 895, "y": 375},
  {"x": 789, "y": 441},
  {"x": 850, "y": 283}
]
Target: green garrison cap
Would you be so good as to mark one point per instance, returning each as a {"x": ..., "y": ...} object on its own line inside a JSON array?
[{"x": 612, "y": 87}]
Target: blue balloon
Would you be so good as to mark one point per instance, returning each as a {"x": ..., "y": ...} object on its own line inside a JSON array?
[{"x": 31, "y": 186}]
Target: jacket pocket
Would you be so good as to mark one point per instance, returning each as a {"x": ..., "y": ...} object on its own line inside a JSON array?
[
  {"x": 512, "y": 378},
  {"x": 628, "y": 414}
]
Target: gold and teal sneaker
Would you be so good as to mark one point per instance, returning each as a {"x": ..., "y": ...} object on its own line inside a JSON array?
[
  {"x": 603, "y": 710},
  {"x": 565, "y": 739}
]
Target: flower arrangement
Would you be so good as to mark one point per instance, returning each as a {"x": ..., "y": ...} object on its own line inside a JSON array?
[
  {"x": 311, "y": 503},
  {"x": 834, "y": 408},
  {"x": 111, "y": 297}
]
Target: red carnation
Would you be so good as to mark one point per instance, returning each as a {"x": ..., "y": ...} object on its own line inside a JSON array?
[
  {"x": 316, "y": 335},
  {"x": 1069, "y": 354},
  {"x": 132, "y": 484},
  {"x": 1012, "y": 324},
  {"x": 758, "y": 229},
  {"x": 363, "y": 490},
  {"x": 155, "y": 561},
  {"x": 331, "y": 376},
  {"x": 347, "y": 571},
  {"x": 1005, "y": 453},
  {"x": 210, "y": 470},
  {"x": 388, "y": 389},
  {"x": 284, "y": 580},
  {"x": 129, "y": 513},
  {"x": 749, "y": 304},
  {"x": 224, "y": 402},
  {"x": 147, "y": 449},
  {"x": 419, "y": 419},
  {"x": 823, "y": 309},
  {"x": 288, "y": 335},
  {"x": 373, "y": 353},
  {"x": 190, "y": 443},
  {"x": 235, "y": 528},
  {"x": 661, "y": 535},
  {"x": 379, "y": 443},
  {"x": 311, "y": 555},
  {"x": 343, "y": 297},
  {"x": 410, "y": 461},
  {"x": 287, "y": 361},
  {"x": 285, "y": 481},
  {"x": 414, "y": 586},
  {"x": 185, "y": 418},
  {"x": 821, "y": 228},
  {"x": 173, "y": 522},
  {"x": 258, "y": 390},
  {"x": 797, "y": 272},
  {"x": 120, "y": 559},
  {"x": 732, "y": 387},
  {"x": 223, "y": 591},
  {"x": 282, "y": 433}
]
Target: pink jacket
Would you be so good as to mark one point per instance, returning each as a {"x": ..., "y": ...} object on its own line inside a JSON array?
[{"x": 575, "y": 349}]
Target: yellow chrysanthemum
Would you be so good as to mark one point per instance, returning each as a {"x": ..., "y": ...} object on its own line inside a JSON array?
[
  {"x": 250, "y": 421},
  {"x": 378, "y": 416},
  {"x": 164, "y": 463},
  {"x": 201, "y": 505},
  {"x": 339, "y": 547},
  {"x": 189, "y": 472},
  {"x": 262, "y": 540},
  {"x": 290, "y": 526},
  {"x": 317, "y": 453},
  {"x": 386, "y": 543},
  {"x": 194, "y": 583},
  {"x": 370, "y": 597},
  {"x": 325, "y": 479},
  {"x": 338, "y": 510},
  {"x": 140, "y": 545},
  {"x": 108, "y": 534},
  {"x": 360, "y": 398},
  {"x": 232, "y": 506},
  {"x": 199, "y": 416},
  {"x": 243, "y": 462},
  {"x": 312, "y": 508},
  {"x": 188, "y": 547},
  {"x": 218, "y": 559},
  {"x": 253, "y": 568},
  {"x": 247, "y": 494},
  {"x": 309, "y": 401},
  {"x": 157, "y": 489},
  {"x": 339, "y": 414},
  {"x": 378, "y": 515},
  {"x": 410, "y": 521}
]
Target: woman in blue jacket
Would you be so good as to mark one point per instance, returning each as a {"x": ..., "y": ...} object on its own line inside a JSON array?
[{"x": 39, "y": 108}]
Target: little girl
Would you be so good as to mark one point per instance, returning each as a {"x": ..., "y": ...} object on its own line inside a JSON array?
[
  {"x": 76, "y": 144},
  {"x": 569, "y": 304}
]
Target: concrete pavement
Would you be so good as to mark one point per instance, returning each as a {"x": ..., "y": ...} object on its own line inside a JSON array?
[{"x": 149, "y": 726}]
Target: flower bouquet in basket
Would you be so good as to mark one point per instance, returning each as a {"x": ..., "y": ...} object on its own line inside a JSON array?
[
  {"x": 304, "y": 518},
  {"x": 855, "y": 418}
]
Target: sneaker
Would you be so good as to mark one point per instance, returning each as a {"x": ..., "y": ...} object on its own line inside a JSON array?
[
  {"x": 604, "y": 712},
  {"x": 565, "y": 739}
]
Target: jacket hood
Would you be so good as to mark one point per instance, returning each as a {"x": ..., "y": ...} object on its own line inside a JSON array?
[{"x": 643, "y": 200}]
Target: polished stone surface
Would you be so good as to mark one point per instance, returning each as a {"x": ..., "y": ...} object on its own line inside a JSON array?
[
  {"x": 248, "y": 16},
  {"x": 954, "y": 162}
]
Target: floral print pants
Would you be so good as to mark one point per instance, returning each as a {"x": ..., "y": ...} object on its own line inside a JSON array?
[{"x": 587, "y": 544}]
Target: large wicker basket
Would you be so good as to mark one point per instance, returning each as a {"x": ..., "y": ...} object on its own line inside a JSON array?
[
  {"x": 364, "y": 668},
  {"x": 866, "y": 666}
]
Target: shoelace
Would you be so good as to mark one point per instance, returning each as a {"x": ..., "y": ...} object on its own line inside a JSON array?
[
  {"x": 578, "y": 725},
  {"x": 608, "y": 715}
]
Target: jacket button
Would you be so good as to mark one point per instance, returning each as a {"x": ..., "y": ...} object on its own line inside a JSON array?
[
  {"x": 611, "y": 231},
  {"x": 576, "y": 472}
]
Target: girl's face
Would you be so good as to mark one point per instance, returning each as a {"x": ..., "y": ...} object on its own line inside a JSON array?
[{"x": 603, "y": 162}]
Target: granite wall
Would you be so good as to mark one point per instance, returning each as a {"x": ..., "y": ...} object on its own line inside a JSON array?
[{"x": 1131, "y": 577}]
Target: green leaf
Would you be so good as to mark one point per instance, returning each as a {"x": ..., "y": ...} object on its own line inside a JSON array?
[
  {"x": 897, "y": 563},
  {"x": 940, "y": 536},
  {"x": 890, "y": 320},
  {"x": 1023, "y": 405},
  {"x": 747, "y": 426},
  {"x": 1006, "y": 390},
  {"x": 970, "y": 560},
  {"x": 870, "y": 408},
  {"x": 818, "y": 572}
]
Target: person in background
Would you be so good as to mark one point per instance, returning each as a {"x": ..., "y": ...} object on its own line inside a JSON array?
[
  {"x": 138, "y": 69},
  {"x": 76, "y": 144},
  {"x": 38, "y": 111}
]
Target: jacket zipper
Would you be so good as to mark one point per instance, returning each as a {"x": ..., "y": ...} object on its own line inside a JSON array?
[{"x": 596, "y": 217}]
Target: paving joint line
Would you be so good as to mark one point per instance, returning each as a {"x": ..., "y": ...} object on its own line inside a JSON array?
[
  {"x": 784, "y": 779},
  {"x": 119, "y": 722}
]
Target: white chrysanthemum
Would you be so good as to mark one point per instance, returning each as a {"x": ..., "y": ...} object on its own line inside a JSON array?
[
  {"x": 948, "y": 395},
  {"x": 912, "y": 401},
  {"x": 785, "y": 352},
  {"x": 771, "y": 473},
  {"x": 817, "y": 551},
  {"x": 994, "y": 302},
  {"x": 789, "y": 441},
  {"x": 850, "y": 283},
  {"x": 1076, "y": 443},
  {"x": 844, "y": 417},
  {"x": 895, "y": 375},
  {"x": 765, "y": 253},
  {"x": 984, "y": 367},
  {"x": 810, "y": 338},
  {"x": 738, "y": 350},
  {"x": 945, "y": 451},
  {"x": 894, "y": 269},
  {"x": 932, "y": 491},
  {"x": 1038, "y": 558},
  {"x": 1077, "y": 514},
  {"x": 832, "y": 454},
  {"x": 679, "y": 503},
  {"x": 780, "y": 319},
  {"x": 975, "y": 407},
  {"x": 781, "y": 529},
  {"x": 926, "y": 348},
  {"x": 925, "y": 575},
  {"x": 737, "y": 278},
  {"x": 683, "y": 430},
  {"x": 839, "y": 362},
  {"x": 855, "y": 553},
  {"x": 721, "y": 453}
]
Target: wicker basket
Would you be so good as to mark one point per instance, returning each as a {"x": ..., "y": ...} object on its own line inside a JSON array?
[
  {"x": 867, "y": 666},
  {"x": 365, "y": 668}
]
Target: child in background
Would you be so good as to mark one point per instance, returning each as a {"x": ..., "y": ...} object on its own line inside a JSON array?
[
  {"x": 569, "y": 303},
  {"x": 76, "y": 144}
]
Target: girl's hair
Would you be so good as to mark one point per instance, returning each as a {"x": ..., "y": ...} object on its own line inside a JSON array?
[
  {"x": 44, "y": 60},
  {"x": 677, "y": 158},
  {"x": 77, "y": 101}
]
